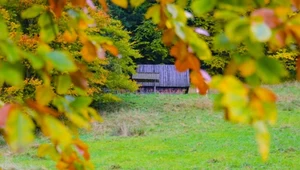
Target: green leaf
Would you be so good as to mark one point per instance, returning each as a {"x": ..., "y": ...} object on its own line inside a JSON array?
[
  {"x": 270, "y": 70},
  {"x": 11, "y": 73},
  {"x": 221, "y": 42},
  {"x": 81, "y": 102},
  {"x": 32, "y": 12},
  {"x": 3, "y": 2},
  {"x": 237, "y": 30},
  {"x": 19, "y": 129},
  {"x": 35, "y": 61},
  {"x": 3, "y": 29},
  {"x": 49, "y": 29},
  {"x": 201, "y": 7},
  {"x": 10, "y": 51},
  {"x": 61, "y": 61},
  {"x": 63, "y": 84},
  {"x": 261, "y": 32}
]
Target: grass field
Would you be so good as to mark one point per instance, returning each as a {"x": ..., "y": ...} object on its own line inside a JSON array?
[{"x": 179, "y": 132}]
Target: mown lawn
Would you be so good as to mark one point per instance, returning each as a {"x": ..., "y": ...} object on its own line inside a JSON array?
[{"x": 180, "y": 132}]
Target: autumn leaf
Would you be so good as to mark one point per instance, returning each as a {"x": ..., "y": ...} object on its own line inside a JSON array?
[
  {"x": 111, "y": 48},
  {"x": 89, "y": 51},
  {"x": 103, "y": 5},
  {"x": 44, "y": 94},
  {"x": 42, "y": 109},
  {"x": 121, "y": 3},
  {"x": 57, "y": 6},
  {"x": 80, "y": 3},
  {"x": 268, "y": 16},
  {"x": 296, "y": 3},
  {"x": 79, "y": 80},
  {"x": 19, "y": 129},
  {"x": 82, "y": 148},
  {"x": 198, "y": 81},
  {"x": 4, "y": 111}
]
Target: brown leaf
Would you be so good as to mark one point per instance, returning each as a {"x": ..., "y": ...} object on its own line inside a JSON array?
[
  {"x": 57, "y": 6},
  {"x": 168, "y": 37},
  {"x": 80, "y": 3},
  {"x": 268, "y": 16},
  {"x": 79, "y": 79},
  {"x": 298, "y": 68}
]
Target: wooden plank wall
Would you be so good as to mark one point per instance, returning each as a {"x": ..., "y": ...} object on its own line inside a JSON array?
[{"x": 168, "y": 76}]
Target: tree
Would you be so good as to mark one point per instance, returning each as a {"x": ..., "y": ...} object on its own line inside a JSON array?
[{"x": 253, "y": 26}]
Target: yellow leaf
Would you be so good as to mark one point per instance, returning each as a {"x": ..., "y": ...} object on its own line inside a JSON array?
[
  {"x": 121, "y": 3},
  {"x": 48, "y": 149},
  {"x": 247, "y": 68},
  {"x": 154, "y": 13},
  {"x": 136, "y": 3},
  {"x": 56, "y": 131},
  {"x": 44, "y": 94},
  {"x": 19, "y": 130}
]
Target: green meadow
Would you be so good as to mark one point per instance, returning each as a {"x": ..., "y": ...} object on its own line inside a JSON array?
[{"x": 179, "y": 132}]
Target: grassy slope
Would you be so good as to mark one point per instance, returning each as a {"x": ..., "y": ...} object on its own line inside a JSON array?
[{"x": 182, "y": 132}]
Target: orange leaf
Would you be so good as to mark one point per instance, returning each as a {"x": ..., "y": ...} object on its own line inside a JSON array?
[
  {"x": 89, "y": 51},
  {"x": 268, "y": 15},
  {"x": 70, "y": 36},
  {"x": 298, "y": 68},
  {"x": 42, "y": 109},
  {"x": 57, "y": 6},
  {"x": 296, "y": 3},
  {"x": 265, "y": 95},
  {"x": 80, "y": 3},
  {"x": 294, "y": 31},
  {"x": 247, "y": 68},
  {"x": 168, "y": 37},
  {"x": 179, "y": 50},
  {"x": 198, "y": 81},
  {"x": 83, "y": 149},
  {"x": 112, "y": 49},
  {"x": 104, "y": 5}
]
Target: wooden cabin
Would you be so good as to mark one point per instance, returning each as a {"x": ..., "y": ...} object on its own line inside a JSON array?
[{"x": 161, "y": 79}]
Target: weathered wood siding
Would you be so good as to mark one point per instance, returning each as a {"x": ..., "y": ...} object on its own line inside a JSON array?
[{"x": 168, "y": 76}]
